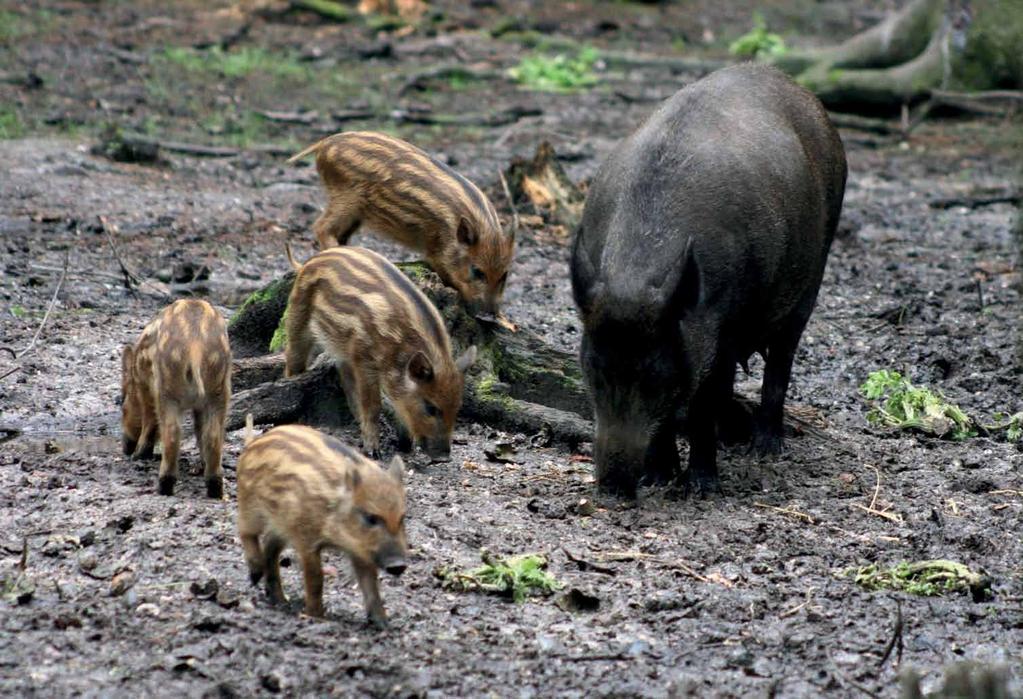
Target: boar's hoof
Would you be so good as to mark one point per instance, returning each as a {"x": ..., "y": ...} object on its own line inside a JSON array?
[
  {"x": 166, "y": 486},
  {"x": 377, "y": 621},
  {"x": 255, "y": 576},
  {"x": 215, "y": 488},
  {"x": 373, "y": 453},
  {"x": 701, "y": 484},
  {"x": 619, "y": 486},
  {"x": 767, "y": 443}
]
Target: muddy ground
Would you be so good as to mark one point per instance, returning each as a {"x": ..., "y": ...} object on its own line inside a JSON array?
[{"x": 724, "y": 596}]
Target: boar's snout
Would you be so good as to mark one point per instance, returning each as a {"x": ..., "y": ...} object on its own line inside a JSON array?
[
  {"x": 396, "y": 568},
  {"x": 439, "y": 450}
]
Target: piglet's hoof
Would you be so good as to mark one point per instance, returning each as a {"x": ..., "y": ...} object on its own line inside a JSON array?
[
  {"x": 215, "y": 488},
  {"x": 378, "y": 622},
  {"x": 167, "y": 485}
]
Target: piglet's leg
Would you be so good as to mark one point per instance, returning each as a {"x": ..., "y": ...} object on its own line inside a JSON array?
[
  {"x": 341, "y": 218},
  {"x": 209, "y": 426},
  {"x": 366, "y": 574},
  {"x": 367, "y": 390},
  {"x": 272, "y": 548},
  {"x": 312, "y": 571},
  {"x": 170, "y": 437}
]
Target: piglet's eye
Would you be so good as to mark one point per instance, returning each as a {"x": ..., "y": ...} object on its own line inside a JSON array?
[
  {"x": 476, "y": 273},
  {"x": 431, "y": 409},
  {"x": 371, "y": 520}
]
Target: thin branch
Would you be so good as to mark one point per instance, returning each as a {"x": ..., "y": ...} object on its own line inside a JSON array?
[
  {"x": 49, "y": 309},
  {"x": 511, "y": 203}
]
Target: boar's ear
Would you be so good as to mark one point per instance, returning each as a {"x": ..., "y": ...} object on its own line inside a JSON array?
[
  {"x": 420, "y": 368},
  {"x": 467, "y": 359},
  {"x": 688, "y": 282},
  {"x": 467, "y": 234},
  {"x": 396, "y": 467},
  {"x": 582, "y": 271}
]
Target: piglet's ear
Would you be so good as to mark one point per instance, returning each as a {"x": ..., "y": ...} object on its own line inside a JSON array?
[
  {"x": 419, "y": 368},
  {"x": 352, "y": 479},
  {"x": 466, "y": 360},
  {"x": 396, "y": 467},
  {"x": 467, "y": 234}
]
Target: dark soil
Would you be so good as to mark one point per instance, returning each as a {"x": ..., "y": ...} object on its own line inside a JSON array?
[{"x": 724, "y": 596}]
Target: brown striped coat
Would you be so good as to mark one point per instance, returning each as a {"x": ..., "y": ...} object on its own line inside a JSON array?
[
  {"x": 386, "y": 337},
  {"x": 306, "y": 489},
  {"x": 409, "y": 196},
  {"x": 180, "y": 362}
]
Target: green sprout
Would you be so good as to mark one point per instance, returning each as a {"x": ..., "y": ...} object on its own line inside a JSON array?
[
  {"x": 516, "y": 577},
  {"x": 924, "y": 578},
  {"x": 558, "y": 73},
  {"x": 906, "y": 406},
  {"x": 758, "y": 41}
]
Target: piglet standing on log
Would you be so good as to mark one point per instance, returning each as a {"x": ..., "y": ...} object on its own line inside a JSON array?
[
  {"x": 300, "y": 487},
  {"x": 703, "y": 240},
  {"x": 385, "y": 336},
  {"x": 181, "y": 361},
  {"x": 407, "y": 195}
]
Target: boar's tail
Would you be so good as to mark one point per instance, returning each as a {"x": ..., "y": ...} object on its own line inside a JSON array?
[
  {"x": 193, "y": 372},
  {"x": 291, "y": 258},
  {"x": 250, "y": 428},
  {"x": 308, "y": 151}
]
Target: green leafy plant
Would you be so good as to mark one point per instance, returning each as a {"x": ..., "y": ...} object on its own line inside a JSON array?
[
  {"x": 11, "y": 125},
  {"x": 925, "y": 578},
  {"x": 758, "y": 41},
  {"x": 516, "y": 577},
  {"x": 905, "y": 406},
  {"x": 558, "y": 73},
  {"x": 1012, "y": 424},
  {"x": 235, "y": 64}
]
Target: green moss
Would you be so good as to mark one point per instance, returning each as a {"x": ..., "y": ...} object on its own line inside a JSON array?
[
  {"x": 993, "y": 54},
  {"x": 280, "y": 338},
  {"x": 267, "y": 294},
  {"x": 416, "y": 271},
  {"x": 924, "y": 578},
  {"x": 11, "y": 125}
]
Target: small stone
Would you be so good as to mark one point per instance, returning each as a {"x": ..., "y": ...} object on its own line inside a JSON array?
[
  {"x": 585, "y": 507},
  {"x": 272, "y": 682},
  {"x": 121, "y": 583},
  {"x": 87, "y": 560},
  {"x": 147, "y": 609}
]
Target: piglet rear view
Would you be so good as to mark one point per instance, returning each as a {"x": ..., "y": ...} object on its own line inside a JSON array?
[
  {"x": 301, "y": 487},
  {"x": 180, "y": 362}
]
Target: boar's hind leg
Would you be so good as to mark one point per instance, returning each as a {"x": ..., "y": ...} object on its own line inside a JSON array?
[
  {"x": 272, "y": 547},
  {"x": 312, "y": 573},
  {"x": 170, "y": 437},
  {"x": 366, "y": 574},
  {"x": 209, "y": 431},
  {"x": 734, "y": 422},
  {"x": 340, "y": 220},
  {"x": 781, "y": 351}
]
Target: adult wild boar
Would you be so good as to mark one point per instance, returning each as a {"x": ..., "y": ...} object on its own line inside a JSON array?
[{"x": 703, "y": 240}]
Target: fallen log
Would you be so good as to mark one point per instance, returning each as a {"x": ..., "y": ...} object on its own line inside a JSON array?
[{"x": 518, "y": 382}]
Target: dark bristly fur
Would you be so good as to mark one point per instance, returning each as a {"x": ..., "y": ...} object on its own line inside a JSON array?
[
  {"x": 300, "y": 487},
  {"x": 404, "y": 193},
  {"x": 181, "y": 361},
  {"x": 386, "y": 336}
]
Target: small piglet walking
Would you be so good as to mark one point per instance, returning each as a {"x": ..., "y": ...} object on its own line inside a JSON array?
[
  {"x": 301, "y": 487},
  {"x": 181, "y": 361}
]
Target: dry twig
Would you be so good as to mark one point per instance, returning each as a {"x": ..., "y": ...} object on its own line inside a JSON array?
[
  {"x": 791, "y": 512},
  {"x": 871, "y": 508}
]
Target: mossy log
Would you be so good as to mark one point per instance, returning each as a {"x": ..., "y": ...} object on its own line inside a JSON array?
[
  {"x": 928, "y": 45},
  {"x": 518, "y": 382}
]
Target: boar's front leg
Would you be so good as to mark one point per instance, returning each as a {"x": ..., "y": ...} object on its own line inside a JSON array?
[
  {"x": 708, "y": 405},
  {"x": 366, "y": 574},
  {"x": 367, "y": 396},
  {"x": 312, "y": 574}
]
